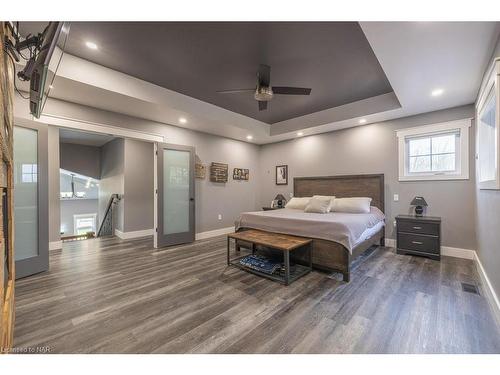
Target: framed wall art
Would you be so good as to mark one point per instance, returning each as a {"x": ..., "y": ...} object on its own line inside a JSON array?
[
  {"x": 200, "y": 170},
  {"x": 218, "y": 172},
  {"x": 241, "y": 174},
  {"x": 282, "y": 175}
]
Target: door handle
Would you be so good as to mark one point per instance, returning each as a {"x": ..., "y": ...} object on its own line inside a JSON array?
[
  {"x": 191, "y": 199},
  {"x": 417, "y": 227},
  {"x": 417, "y": 242}
]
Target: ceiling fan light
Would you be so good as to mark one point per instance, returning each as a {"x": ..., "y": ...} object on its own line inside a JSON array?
[{"x": 263, "y": 94}]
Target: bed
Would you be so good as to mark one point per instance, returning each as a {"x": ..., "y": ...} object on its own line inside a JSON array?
[{"x": 338, "y": 238}]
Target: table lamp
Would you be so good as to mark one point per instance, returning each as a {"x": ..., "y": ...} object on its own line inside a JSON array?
[
  {"x": 419, "y": 203},
  {"x": 280, "y": 201}
]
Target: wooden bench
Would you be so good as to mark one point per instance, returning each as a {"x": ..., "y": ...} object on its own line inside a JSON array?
[{"x": 281, "y": 242}]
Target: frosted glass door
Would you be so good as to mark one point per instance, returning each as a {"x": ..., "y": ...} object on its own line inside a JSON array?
[
  {"x": 30, "y": 228},
  {"x": 175, "y": 194},
  {"x": 25, "y": 193}
]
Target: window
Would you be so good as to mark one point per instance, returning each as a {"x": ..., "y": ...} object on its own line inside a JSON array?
[
  {"x": 488, "y": 130},
  {"x": 76, "y": 186},
  {"x": 434, "y": 152},
  {"x": 29, "y": 173},
  {"x": 84, "y": 223}
]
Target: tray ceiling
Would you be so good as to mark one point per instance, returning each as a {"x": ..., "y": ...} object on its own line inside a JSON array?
[{"x": 198, "y": 59}]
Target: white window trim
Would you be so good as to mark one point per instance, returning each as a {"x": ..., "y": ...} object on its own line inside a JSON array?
[
  {"x": 490, "y": 86},
  {"x": 77, "y": 216},
  {"x": 461, "y": 125}
]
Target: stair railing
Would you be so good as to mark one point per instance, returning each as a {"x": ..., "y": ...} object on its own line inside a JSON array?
[{"x": 106, "y": 227}]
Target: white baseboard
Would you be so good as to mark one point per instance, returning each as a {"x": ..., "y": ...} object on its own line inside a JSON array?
[
  {"x": 389, "y": 242},
  {"x": 445, "y": 250},
  {"x": 133, "y": 234},
  {"x": 150, "y": 232},
  {"x": 457, "y": 252},
  {"x": 55, "y": 245},
  {"x": 491, "y": 295},
  {"x": 214, "y": 233}
]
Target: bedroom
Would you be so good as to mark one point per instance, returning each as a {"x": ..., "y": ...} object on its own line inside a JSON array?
[{"x": 302, "y": 187}]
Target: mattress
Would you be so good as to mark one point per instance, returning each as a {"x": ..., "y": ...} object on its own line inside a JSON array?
[{"x": 346, "y": 229}]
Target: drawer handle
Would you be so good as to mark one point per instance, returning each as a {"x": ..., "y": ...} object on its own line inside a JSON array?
[
  {"x": 417, "y": 227},
  {"x": 417, "y": 242}
]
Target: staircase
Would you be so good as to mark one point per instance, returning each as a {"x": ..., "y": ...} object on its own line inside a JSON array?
[{"x": 106, "y": 227}]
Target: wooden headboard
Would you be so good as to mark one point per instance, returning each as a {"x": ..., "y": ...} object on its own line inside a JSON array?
[{"x": 362, "y": 185}]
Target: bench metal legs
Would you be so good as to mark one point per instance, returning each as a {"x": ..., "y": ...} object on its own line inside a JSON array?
[
  {"x": 311, "y": 255},
  {"x": 286, "y": 255}
]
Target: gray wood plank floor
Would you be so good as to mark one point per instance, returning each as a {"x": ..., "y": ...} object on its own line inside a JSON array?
[{"x": 113, "y": 296}]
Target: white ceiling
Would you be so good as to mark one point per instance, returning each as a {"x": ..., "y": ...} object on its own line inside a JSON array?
[
  {"x": 84, "y": 138},
  {"x": 417, "y": 58}
]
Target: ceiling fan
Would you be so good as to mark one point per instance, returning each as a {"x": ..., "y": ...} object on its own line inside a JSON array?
[{"x": 264, "y": 92}]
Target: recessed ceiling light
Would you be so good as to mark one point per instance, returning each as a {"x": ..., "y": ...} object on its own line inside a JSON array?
[
  {"x": 249, "y": 137},
  {"x": 182, "y": 120},
  {"x": 91, "y": 45},
  {"x": 300, "y": 134},
  {"x": 362, "y": 121},
  {"x": 437, "y": 92}
]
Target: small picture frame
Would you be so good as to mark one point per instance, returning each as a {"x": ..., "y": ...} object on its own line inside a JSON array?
[
  {"x": 199, "y": 170},
  {"x": 241, "y": 174},
  {"x": 282, "y": 175}
]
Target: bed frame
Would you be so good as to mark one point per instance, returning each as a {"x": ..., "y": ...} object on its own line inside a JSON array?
[{"x": 332, "y": 256}]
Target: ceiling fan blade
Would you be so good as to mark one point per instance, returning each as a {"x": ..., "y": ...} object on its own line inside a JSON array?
[
  {"x": 262, "y": 106},
  {"x": 283, "y": 90},
  {"x": 264, "y": 75},
  {"x": 235, "y": 91}
]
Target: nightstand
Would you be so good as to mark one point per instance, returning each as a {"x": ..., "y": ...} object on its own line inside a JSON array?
[
  {"x": 419, "y": 235},
  {"x": 271, "y": 208}
]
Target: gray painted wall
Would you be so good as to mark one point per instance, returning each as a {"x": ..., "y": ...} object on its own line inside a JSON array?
[
  {"x": 72, "y": 207},
  {"x": 487, "y": 224},
  {"x": 373, "y": 149},
  {"x": 54, "y": 184},
  {"x": 138, "y": 198},
  {"x": 228, "y": 199},
  {"x": 81, "y": 159},
  {"x": 112, "y": 179}
]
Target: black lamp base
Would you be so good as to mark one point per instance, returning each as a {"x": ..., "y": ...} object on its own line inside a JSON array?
[{"x": 419, "y": 210}]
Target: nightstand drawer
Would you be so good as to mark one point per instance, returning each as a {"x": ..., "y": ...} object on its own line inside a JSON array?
[
  {"x": 415, "y": 242},
  {"x": 418, "y": 227}
]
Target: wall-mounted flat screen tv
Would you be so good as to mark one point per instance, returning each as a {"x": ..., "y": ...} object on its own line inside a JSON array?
[{"x": 54, "y": 40}]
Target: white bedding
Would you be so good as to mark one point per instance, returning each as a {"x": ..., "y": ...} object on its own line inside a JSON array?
[{"x": 348, "y": 229}]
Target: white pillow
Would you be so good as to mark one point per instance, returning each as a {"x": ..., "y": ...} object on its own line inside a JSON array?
[
  {"x": 358, "y": 205},
  {"x": 320, "y": 205},
  {"x": 298, "y": 203},
  {"x": 329, "y": 197}
]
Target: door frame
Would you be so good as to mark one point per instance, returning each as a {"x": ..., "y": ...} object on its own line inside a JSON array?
[
  {"x": 62, "y": 122},
  {"x": 30, "y": 266},
  {"x": 185, "y": 237}
]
